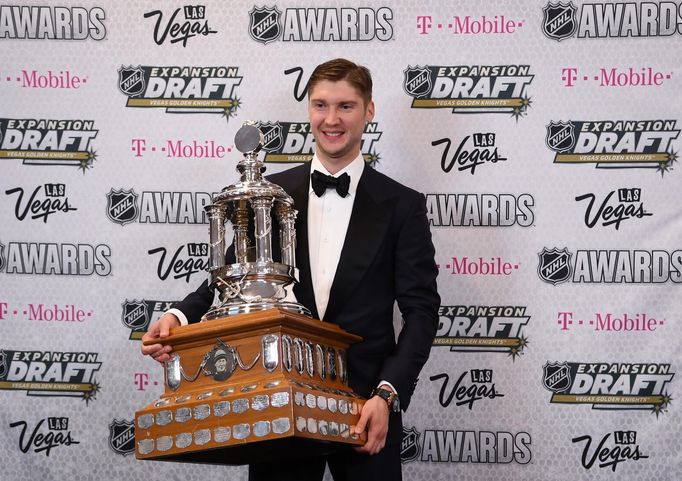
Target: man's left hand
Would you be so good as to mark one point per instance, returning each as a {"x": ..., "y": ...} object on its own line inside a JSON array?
[{"x": 374, "y": 418}]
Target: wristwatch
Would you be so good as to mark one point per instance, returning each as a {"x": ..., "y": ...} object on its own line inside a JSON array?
[{"x": 390, "y": 397}]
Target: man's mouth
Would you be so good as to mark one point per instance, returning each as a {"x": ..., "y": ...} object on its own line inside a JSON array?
[{"x": 332, "y": 133}]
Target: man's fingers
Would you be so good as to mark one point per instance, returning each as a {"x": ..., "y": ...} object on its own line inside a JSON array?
[
  {"x": 362, "y": 423},
  {"x": 164, "y": 329},
  {"x": 158, "y": 352}
]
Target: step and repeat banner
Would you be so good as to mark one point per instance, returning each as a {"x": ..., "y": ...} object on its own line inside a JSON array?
[{"x": 544, "y": 135}]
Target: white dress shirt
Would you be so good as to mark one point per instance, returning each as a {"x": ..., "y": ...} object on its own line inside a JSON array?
[{"x": 328, "y": 219}]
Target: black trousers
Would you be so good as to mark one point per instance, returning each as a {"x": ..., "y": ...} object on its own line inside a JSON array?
[{"x": 345, "y": 465}]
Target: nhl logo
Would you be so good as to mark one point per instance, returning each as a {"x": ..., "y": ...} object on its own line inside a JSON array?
[
  {"x": 135, "y": 315},
  {"x": 272, "y": 134},
  {"x": 556, "y": 376},
  {"x": 559, "y": 22},
  {"x": 264, "y": 24},
  {"x": 417, "y": 81},
  {"x": 555, "y": 265},
  {"x": 122, "y": 437},
  {"x": 131, "y": 80},
  {"x": 122, "y": 206},
  {"x": 409, "y": 445},
  {"x": 560, "y": 136},
  {"x": 3, "y": 364}
]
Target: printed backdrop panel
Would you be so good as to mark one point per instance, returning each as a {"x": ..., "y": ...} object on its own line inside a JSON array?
[{"x": 544, "y": 136}]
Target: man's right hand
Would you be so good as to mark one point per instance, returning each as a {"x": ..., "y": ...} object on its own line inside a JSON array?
[{"x": 160, "y": 329}]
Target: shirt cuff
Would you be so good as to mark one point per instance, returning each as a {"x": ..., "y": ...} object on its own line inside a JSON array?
[
  {"x": 387, "y": 384},
  {"x": 181, "y": 317}
]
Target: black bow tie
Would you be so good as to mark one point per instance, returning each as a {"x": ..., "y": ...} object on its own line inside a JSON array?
[{"x": 322, "y": 182}]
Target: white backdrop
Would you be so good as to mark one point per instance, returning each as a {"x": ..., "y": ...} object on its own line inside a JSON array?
[{"x": 541, "y": 362}]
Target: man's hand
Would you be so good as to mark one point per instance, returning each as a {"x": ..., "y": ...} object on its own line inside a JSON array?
[
  {"x": 160, "y": 329},
  {"x": 373, "y": 417}
]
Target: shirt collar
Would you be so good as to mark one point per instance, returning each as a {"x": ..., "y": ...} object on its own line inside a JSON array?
[{"x": 354, "y": 169}]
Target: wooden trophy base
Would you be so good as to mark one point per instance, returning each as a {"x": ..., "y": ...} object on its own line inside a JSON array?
[{"x": 262, "y": 386}]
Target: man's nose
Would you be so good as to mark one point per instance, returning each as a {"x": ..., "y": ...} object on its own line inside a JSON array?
[{"x": 332, "y": 117}]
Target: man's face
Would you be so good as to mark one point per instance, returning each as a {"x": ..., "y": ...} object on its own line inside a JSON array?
[
  {"x": 221, "y": 364},
  {"x": 337, "y": 116}
]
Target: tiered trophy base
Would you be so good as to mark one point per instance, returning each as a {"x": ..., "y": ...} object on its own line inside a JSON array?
[{"x": 289, "y": 399}]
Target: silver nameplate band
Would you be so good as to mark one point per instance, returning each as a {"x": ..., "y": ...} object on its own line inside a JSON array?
[
  {"x": 279, "y": 399},
  {"x": 202, "y": 412},
  {"x": 164, "y": 443},
  {"x": 183, "y": 414},
  {"x": 269, "y": 352},
  {"x": 309, "y": 361},
  {"x": 183, "y": 440},
  {"x": 145, "y": 446},
  {"x": 240, "y": 405},
  {"x": 286, "y": 352},
  {"x": 258, "y": 403},
  {"x": 163, "y": 418},
  {"x": 241, "y": 431},
  {"x": 221, "y": 408},
  {"x": 281, "y": 425},
  {"x": 301, "y": 424},
  {"x": 319, "y": 356},
  {"x": 261, "y": 428},
  {"x": 222, "y": 434},
  {"x": 202, "y": 436},
  {"x": 331, "y": 360},
  {"x": 145, "y": 421},
  {"x": 298, "y": 355}
]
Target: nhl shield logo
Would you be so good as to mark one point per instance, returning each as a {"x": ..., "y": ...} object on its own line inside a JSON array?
[
  {"x": 409, "y": 446},
  {"x": 122, "y": 437},
  {"x": 556, "y": 376},
  {"x": 272, "y": 134},
  {"x": 417, "y": 81},
  {"x": 560, "y": 136},
  {"x": 3, "y": 364},
  {"x": 559, "y": 21},
  {"x": 135, "y": 315},
  {"x": 122, "y": 206},
  {"x": 131, "y": 80},
  {"x": 555, "y": 265},
  {"x": 265, "y": 25}
]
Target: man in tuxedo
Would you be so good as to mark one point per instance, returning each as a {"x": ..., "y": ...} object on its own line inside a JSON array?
[{"x": 363, "y": 244}]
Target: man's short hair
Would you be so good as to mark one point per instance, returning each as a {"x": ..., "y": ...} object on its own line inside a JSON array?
[{"x": 342, "y": 69}]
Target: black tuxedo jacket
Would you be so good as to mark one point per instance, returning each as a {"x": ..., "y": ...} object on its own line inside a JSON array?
[{"x": 387, "y": 256}]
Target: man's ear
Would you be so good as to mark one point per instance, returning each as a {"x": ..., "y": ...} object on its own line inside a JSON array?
[{"x": 369, "y": 113}]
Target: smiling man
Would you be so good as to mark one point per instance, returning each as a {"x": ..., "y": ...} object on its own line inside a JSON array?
[{"x": 364, "y": 244}]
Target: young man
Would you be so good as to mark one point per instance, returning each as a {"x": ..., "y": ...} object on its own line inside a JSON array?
[{"x": 360, "y": 249}]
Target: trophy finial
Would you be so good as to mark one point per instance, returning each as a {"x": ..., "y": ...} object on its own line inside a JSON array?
[{"x": 249, "y": 139}]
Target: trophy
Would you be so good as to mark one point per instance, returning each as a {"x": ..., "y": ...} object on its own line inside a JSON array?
[
  {"x": 254, "y": 282},
  {"x": 259, "y": 378}
]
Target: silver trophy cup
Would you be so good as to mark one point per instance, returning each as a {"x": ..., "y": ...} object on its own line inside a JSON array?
[{"x": 254, "y": 282}]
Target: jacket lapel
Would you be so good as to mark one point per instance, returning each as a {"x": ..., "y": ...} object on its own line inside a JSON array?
[
  {"x": 304, "y": 291},
  {"x": 366, "y": 232}
]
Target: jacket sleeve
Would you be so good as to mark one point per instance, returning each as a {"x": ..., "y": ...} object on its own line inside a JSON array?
[
  {"x": 197, "y": 303},
  {"x": 418, "y": 301}
]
